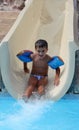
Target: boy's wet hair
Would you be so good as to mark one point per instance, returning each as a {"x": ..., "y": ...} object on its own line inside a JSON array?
[{"x": 41, "y": 43}]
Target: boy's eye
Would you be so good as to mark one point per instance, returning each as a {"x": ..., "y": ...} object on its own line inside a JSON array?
[
  {"x": 42, "y": 50},
  {"x": 39, "y": 51}
]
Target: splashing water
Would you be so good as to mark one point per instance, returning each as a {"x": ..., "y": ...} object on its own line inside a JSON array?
[
  {"x": 19, "y": 115},
  {"x": 39, "y": 114}
]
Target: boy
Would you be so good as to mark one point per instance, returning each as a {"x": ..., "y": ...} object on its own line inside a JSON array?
[{"x": 39, "y": 74}]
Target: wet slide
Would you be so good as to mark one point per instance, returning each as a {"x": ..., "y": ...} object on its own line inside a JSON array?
[{"x": 51, "y": 20}]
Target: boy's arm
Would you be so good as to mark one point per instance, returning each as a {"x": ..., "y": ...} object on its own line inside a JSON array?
[
  {"x": 57, "y": 77},
  {"x": 26, "y": 70}
]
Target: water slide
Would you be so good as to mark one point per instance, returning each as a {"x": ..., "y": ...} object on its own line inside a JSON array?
[{"x": 51, "y": 20}]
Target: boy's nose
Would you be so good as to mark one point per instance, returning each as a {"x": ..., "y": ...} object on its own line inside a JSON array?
[{"x": 40, "y": 53}]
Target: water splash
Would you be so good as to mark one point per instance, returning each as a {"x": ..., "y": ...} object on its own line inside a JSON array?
[{"x": 22, "y": 115}]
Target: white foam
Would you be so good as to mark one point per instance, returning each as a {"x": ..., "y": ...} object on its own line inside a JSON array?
[{"x": 23, "y": 115}]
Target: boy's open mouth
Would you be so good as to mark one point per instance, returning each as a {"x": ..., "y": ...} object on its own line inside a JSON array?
[{"x": 41, "y": 55}]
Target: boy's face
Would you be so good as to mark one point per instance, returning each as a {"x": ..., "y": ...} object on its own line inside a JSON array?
[{"x": 41, "y": 51}]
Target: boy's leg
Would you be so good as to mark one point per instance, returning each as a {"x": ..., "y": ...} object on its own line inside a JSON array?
[
  {"x": 41, "y": 85},
  {"x": 31, "y": 86}
]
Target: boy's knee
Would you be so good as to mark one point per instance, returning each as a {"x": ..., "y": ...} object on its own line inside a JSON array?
[{"x": 40, "y": 89}]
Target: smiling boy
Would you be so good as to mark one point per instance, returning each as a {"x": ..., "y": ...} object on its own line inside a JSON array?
[{"x": 39, "y": 74}]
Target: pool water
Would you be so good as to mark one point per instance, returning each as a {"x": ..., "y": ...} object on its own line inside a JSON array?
[{"x": 38, "y": 114}]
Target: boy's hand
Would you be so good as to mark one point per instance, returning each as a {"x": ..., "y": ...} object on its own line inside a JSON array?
[
  {"x": 26, "y": 70},
  {"x": 57, "y": 77},
  {"x": 56, "y": 81}
]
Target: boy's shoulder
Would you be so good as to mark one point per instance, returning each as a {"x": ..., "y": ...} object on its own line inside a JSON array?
[{"x": 48, "y": 57}]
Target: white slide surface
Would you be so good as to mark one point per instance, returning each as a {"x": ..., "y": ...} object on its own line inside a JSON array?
[{"x": 51, "y": 20}]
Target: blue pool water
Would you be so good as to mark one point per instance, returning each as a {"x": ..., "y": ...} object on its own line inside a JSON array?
[{"x": 39, "y": 115}]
